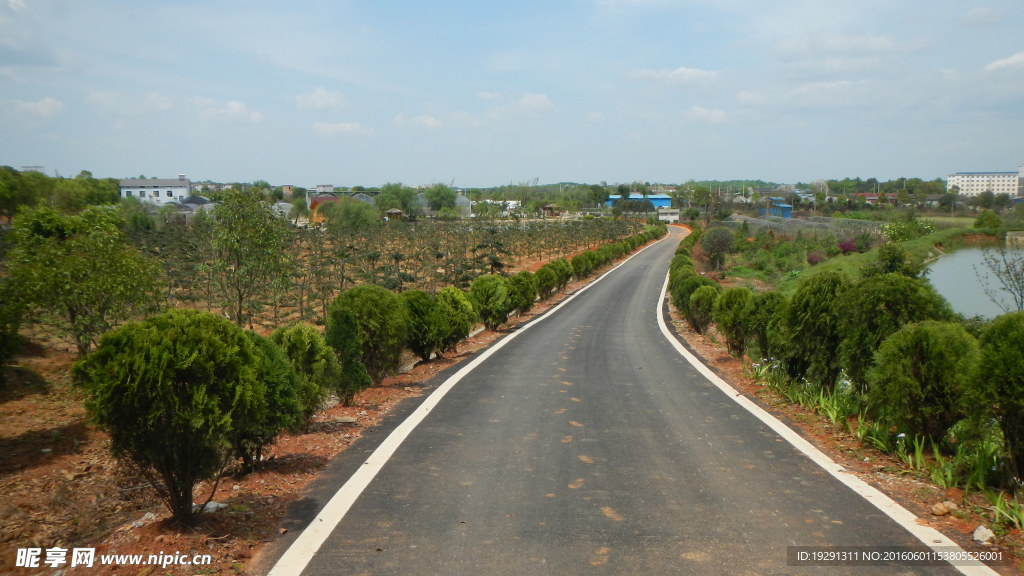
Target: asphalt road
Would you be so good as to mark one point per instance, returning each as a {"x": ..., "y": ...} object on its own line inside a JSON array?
[{"x": 588, "y": 445}]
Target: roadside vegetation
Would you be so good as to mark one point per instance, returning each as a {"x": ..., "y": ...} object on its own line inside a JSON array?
[
  {"x": 199, "y": 343},
  {"x": 843, "y": 320}
]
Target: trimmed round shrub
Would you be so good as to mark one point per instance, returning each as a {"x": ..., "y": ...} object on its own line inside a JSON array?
[
  {"x": 314, "y": 362},
  {"x": 875, "y": 308},
  {"x": 523, "y": 290},
  {"x": 490, "y": 296},
  {"x": 920, "y": 375},
  {"x": 813, "y": 329},
  {"x": 732, "y": 315},
  {"x": 766, "y": 307},
  {"x": 702, "y": 306},
  {"x": 275, "y": 408},
  {"x": 1001, "y": 375},
  {"x": 547, "y": 282},
  {"x": 459, "y": 316},
  {"x": 168, "y": 391},
  {"x": 426, "y": 323},
  {"x": 380, "y": 325}
]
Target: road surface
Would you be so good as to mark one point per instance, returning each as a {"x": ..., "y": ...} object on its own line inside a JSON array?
[{"x": 589, "y": 445}]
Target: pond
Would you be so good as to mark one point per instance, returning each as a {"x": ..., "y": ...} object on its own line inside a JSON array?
[{"x": 958, "y": 277}]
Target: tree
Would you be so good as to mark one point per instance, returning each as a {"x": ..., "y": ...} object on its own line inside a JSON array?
[
  {"x": 893, "y": 259},
  {"x": 920, "y": 376},
  {"x": 523, "y": 291},
  {"x": 314, "y": 362},
  {"x": 702, "y": 306},
  {"x": 168, "y": 391},
  {"x": 248, "y": 253},
  {"x": 459, "y": 314},
  {"x": 490, "y": 296},
  {"x": 812, "y": 328},
  {"x": 345, "y": 337},
  {"x": 732, "y": 315},
  {"x": 426, "y": 323},
  {"x": 877, "y": 307},
  {"x": 440, "y": 197},
  {"x": 547, "y": 282},
  {"x": 766, "y": 307},
  {"x": 81, "y": 268},
  {"x": 1001, "y": 379},
  {"x": 274, "y": 408},
  {"x": 988, "y": 220},
  {"x": 381, "y": 322},
  {"x": 1006, "y": 264},
  {"x": 717, "y": 243}
]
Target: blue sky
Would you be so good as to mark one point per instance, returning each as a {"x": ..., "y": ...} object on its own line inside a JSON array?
[{"x": 489, "y": 93}]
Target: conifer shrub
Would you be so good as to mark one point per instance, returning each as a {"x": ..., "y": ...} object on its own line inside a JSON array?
[
  {"x": 378, "y": 323},
  {"x": 732, "y": 315},
  {"x": 523, "y": 288},
  {"x": 459, "y": 316},
  {"x": 490, "y": 297},
  {"x": 315, "y": 363},
  {"x": 426, "y": 323},
  {"x": 170, "y": 390},
  {"x": 702, "y": 306}
]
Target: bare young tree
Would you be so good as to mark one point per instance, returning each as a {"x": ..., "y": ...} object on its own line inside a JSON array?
[{"x": 1006, "y": 265}]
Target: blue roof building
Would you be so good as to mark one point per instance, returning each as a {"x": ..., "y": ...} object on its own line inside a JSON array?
[{"x": 657, "y": 200}]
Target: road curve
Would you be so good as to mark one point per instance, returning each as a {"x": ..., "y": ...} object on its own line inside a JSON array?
[{"x": 586, "y": 445}]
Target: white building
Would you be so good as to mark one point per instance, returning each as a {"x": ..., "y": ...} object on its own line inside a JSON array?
[
  {"x": 974, "y": 183},
  {"x": 155, "y": 190}
]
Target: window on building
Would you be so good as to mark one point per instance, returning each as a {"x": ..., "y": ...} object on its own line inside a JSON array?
[
  {"x": 127, "y": 193},
  {"x": 169, "y": 195}
]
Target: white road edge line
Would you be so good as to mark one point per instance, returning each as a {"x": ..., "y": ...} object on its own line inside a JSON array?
[
  {"x": 929, "y": 536},
  {"x": 301, "y": 551}
]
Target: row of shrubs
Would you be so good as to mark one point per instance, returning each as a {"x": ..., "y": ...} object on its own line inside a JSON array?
[
  {"x": 888, "y": 349},
  {"x": 186, "y": 394}
]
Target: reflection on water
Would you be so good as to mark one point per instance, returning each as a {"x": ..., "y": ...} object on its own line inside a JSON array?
[{"x": 956, "y": 277}]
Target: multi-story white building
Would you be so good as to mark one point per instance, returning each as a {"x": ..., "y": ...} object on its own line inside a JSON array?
[
  {"x": 157, "y": 191},
  {"x": 974, "y": 183}
]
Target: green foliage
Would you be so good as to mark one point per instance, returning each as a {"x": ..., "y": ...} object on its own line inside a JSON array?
[
  {"x": 440, "y": 197},
  {"x": 314, "y": 362},
  {"x": 348, "y": 216},
  {"x": 702, "y": 306},
  {"x": 988, "y": 220},
  {"x": 523, "y": 291},
  {"x": 11, "y": 309},
  {"x": 920, "y": 375},
  {"x": 81, "y": 269},
  {"x": 547, "y": 282},
  {"x": 247, "y": 255},
  {"x": 563, "y": 271},
  {"x": 877, "y": 307},
  {"x": 583, "y": 264},
  {"x": 168, "y": 391},
  {"x": 381, "y": 323},
  {"x": 765, "y": 307},
  {"x": 717, "y": 243},
  {"x": 459, "y": 314},
  {"x": 345, "y": 337},
  {"x": 274, "y": 408},
  {"x": 490, "y": 296},
  {"x": 682, "y": 288},
  {"x": 1001, "y": 379},
  {"x": 894, "y": 259},
  {"x": 907, "y": 228},
  {"x": 812, "y": 328},
  {"x": 426, "y": 323},
  {"x": 732, "y": 315}
]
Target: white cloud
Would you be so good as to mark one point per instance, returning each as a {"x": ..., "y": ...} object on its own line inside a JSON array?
[
  {"x": 17, "y": 5},
  {"x": 489, "y": 96},
  {"x": 335, "y": 128},
  {"x": 420, "y": 121},
  {"x": 46, "y": 108},
  {"x": 709, "y": 115},
  {"x": 1015, "y": 60},
  {"x": 321, "y": 99},
  {"x": 233, "y": 110},
  {"x": 680, "y": 75},
  {"x": 534, "y": 103},
  {"x": 984, "y": 16}
]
